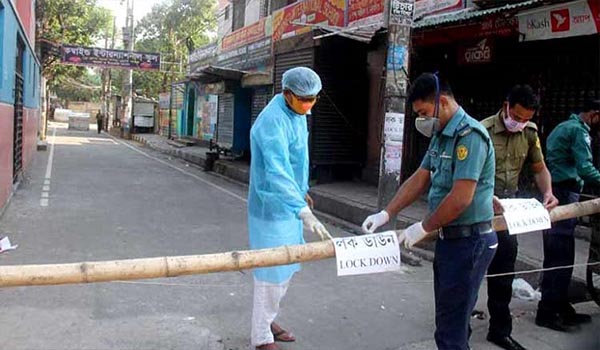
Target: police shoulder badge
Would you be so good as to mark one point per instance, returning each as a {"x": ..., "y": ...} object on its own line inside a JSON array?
[{"x": 462, "y": 152}]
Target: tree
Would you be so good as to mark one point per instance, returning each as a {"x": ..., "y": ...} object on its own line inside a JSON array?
[
  {"x": 86, "y": 88},
  {"x": 78, "y": 22},
  {"x": 174, "y": 30}
]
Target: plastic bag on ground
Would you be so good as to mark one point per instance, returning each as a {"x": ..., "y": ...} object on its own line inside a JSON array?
[{"x": 524, "y": 291}]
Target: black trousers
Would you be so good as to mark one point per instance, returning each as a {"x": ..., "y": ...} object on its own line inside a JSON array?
[
  {"x": 99, "y": 123},
  {"x": 559, "y": 250},
  {"x": 500, "y": 288}
]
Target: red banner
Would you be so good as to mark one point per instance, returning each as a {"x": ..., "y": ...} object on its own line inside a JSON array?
[
  {"x": 248, "y": 34},
  {"x": 491, "y": 26},
  {"x": 329, "y": 12},
  {"x": 358, "y": 10}
]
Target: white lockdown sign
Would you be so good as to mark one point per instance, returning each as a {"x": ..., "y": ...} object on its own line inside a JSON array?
[
  {"x": 525, "y": 215},
  {"x": 367, "y": 254}
]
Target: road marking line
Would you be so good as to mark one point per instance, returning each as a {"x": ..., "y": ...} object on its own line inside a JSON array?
[
  {"x": 181, "y": 170},
  {"x": 50, "y": 157},
  {"x": 44, "y": 201}
]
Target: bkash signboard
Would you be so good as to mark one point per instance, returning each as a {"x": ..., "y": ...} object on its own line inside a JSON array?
[{"x": 561, "y": 21}]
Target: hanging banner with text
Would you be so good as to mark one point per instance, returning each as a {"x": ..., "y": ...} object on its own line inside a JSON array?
[
  {"x": 566, "y": 20},
  {"x": 367, "y": 254},
  {"x": 106, "y": 58},
  {"x": 525, "y": 215}
]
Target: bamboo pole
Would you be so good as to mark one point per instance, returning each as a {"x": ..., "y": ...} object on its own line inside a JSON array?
[{"x": 145, "y": 268}]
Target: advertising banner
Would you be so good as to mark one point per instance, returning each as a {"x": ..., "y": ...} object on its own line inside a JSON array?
[
  {"x": 566, "y": 20},
  {"x": 325, "y": 12}
]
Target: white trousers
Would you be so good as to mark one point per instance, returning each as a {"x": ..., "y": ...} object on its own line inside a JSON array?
[{"x": 267, "y": 297}]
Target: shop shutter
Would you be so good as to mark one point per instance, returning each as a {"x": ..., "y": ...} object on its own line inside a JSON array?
[
  {"x": 288, "y": 60},
  {"x": 260, "y": 98},
  {"x": 225, "y": 120}
]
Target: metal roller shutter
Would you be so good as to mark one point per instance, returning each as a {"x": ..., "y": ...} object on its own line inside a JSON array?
[
  {"x": 260, "y": 98},
  {"x": 225, "y": 120},
  {"x": 283, "y": 62}
]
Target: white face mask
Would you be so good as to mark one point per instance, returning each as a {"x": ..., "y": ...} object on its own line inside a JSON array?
[
  {"x": 427, "y": 126},
  {"x": 511, "y": 124}
]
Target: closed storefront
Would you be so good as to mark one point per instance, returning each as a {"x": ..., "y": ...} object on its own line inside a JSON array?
[
  {"x": 483, "y": 57},
  {"x": 338, "y": 122}
]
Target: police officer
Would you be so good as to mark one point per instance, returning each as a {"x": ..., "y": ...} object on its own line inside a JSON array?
[
  {"x": 459, "y": 165},
  {"x": 570, "y": 163},
  {"x": 516, "y": 142}
]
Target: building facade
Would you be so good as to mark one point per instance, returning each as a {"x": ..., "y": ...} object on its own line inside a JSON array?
[
  {"x": 483, "y": 47},
  {"x": 19, "y": 92}
]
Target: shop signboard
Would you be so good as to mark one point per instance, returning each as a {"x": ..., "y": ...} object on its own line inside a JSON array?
[
  {"x": 202, "y": 57},
  {"x": 480, "y": 52},
  {"x": 428, "y": 7},
  {"x": 307, "y": 13},
  {"x": 249, "y": 48},
  {"x": 576, "y": 18},
  {"x": 364, "y": 12},
  {"x": 259, "y": 30}
]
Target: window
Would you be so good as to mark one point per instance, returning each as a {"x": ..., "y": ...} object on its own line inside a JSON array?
[{"x": 239, "y": 14}]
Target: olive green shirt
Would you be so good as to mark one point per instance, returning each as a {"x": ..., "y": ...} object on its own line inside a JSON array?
[{"x": 513, "y": 149}]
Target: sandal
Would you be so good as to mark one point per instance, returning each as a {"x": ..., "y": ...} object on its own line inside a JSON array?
[
  {"x": 270, "y": 346},
  {"x": 280, "y": 334}
]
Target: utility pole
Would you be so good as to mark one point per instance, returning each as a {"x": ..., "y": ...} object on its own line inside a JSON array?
[
  {"x": 398, "y": 17},
  {"x": 109, "y": 120},
  {"x": 103, "y": 96},
  {"x": 127, "y": 100}
]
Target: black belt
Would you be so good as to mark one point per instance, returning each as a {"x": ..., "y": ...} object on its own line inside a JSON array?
[
  {"x": 571, "y": 185},
  {"x": 464, "y": 231}
]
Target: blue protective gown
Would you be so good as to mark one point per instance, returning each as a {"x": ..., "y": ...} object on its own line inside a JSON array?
[{"x": 278, "y": 183}]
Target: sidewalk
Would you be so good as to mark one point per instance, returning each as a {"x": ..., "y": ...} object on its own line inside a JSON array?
[{"x": 352, "y": 202}]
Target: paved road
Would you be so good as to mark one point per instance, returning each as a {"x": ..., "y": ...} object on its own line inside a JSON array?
[{"x": 107, "y": 199}]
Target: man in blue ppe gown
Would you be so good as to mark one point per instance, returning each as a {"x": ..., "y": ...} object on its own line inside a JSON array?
[{"x": 278, "y": 201}]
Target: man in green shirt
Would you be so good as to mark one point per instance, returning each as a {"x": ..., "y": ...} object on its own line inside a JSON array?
[
  {"x": 570, "y": 163},
  {"x": 516, "y": 143}
]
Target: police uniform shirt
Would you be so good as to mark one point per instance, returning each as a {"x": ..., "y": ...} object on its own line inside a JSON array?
[
  {"x": 512, "y": 149},
  {"x": 462, "y": 151},
  {"x": 570, "y": 153}
]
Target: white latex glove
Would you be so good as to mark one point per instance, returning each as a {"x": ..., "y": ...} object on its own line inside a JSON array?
[
  {"x": 311, "y": 222},
  {"x": 373, "y": 222},
  {"x": 412, "y": 235}
]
